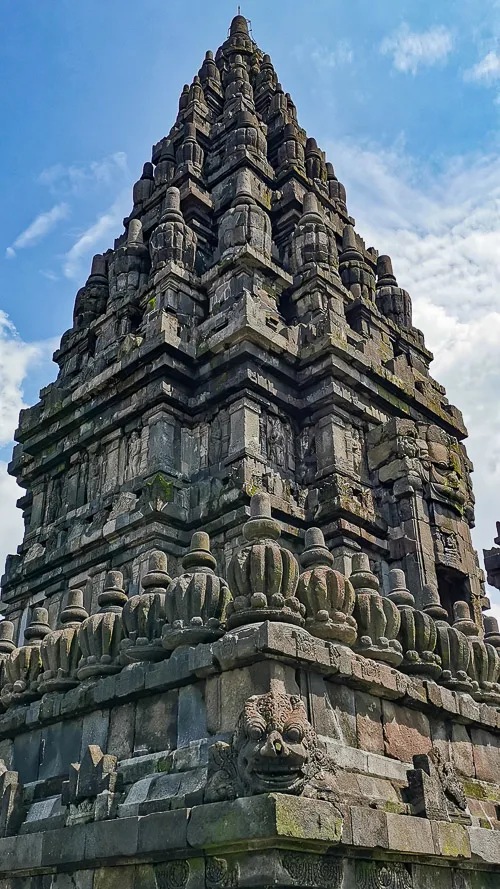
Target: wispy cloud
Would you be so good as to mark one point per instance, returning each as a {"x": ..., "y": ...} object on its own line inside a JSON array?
[
  {"x": 38, "y": 229},
  {"x": 333, "y": 56},
  {"x": 96, "y": 235},
  {"x": 411, "y": 50},
  {"x": 75, "y": 178},
  {"x": 486, "y": 71}
]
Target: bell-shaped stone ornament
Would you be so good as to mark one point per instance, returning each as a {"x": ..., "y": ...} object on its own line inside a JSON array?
[
  {"x": 417, "y": 633},
  {"x": 245, "y": 224},
  {"x": 484, "y": 661},
  {"x": 197, "y": 600},
  {"x": 327, "y": 596},
  {"x": 377, "y": 617},
  {"x": 173, "y": 240},
  {"x": 263, "y": 575},
  {"x": 7, "y": 646},
  {"x": 451, "y": 646},
  {"x": 144, "y": 616},
  {"x": 313, "y": 242},
  {"x": 100, "y": 634},
  {"x": 60, "y": 650},
  {"x": 24, "y": 665}
]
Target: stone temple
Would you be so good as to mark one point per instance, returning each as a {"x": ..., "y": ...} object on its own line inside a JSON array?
[{"x": 244, "y": 643}]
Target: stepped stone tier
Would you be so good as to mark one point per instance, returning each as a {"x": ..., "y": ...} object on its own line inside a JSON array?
[{"x": 243, "y": 642}]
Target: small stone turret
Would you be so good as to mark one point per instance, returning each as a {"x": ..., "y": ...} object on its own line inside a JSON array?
[
  {"x": 245, "y": 224},
  {"x": 484, "y": 661},
  {"x": 377, "y": 617},
  {"x": 417, "y": 633},
  {"x": 91, "y": 300},
  {"x": 22, "y": 668},
  {"x": 144, "y": 187},
  {"x": 173, "y": 240},
  {"x": 313, "y": 242},
  {"x": 355, "y": 272},
  {"x": 392, "y": 301}
]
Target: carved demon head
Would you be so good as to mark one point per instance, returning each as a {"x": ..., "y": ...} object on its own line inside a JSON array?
[{"x": 275, "y": 745}]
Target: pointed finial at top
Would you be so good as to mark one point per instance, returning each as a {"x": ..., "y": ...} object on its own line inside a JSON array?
[{"x": 239, "y": 25}]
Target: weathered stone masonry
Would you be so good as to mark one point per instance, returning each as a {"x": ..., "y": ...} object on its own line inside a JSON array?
[{"x": 244, "y": 643}]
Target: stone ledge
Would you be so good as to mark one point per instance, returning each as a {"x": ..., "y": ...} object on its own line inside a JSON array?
[{"x": 254, "y": 823}]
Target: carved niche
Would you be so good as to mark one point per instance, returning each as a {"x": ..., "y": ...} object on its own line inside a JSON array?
[{"x": 274, "y": 749}]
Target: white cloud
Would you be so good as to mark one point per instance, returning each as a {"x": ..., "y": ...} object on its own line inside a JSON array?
[
  {"x": 443, "y": 233},
  {"x": 96, "y": 235},
  {"x": 11, "y": 519},
  {"x": 333, "y": 57},
  {"x": 412, "y": 49},
  {"x": 486, "y": 71},
  {"x": 76, "y": 178},
  {"x": 38, "y": 229},
  {"x": 17, "y": 359}
]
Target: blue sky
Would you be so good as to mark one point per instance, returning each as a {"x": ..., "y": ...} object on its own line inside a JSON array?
[{"x": 403, "y": 96}]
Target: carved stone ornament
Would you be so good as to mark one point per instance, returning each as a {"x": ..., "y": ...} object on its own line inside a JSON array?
[
  {"x": 196, "y": 602},
  {"x": 417, "y": 632},
  {"x": 451, "y": 646},
  {"x": 484, "y": 661},
  {"x": 24, "y": 665},
  {"x": 221, "y": 874},
  {"x": 263, "y": 575},
  {"x": 387, "y": 875},
  {"x": 100, "y": 634},
  {"x": 7, "y": 646},
  {"x": 313, "y": 870},
  {"x": 274, "y": 749},
  {"x": 172, "y": 874},
  {"x": 60, "y": 650},
  {"x": 327, "y": 595},
  {"x": 144, "y": 616},
  {"x": 435, "y": 791},
  {"x": 377, "y": 617},
  {"x": 90, "y": 791}
]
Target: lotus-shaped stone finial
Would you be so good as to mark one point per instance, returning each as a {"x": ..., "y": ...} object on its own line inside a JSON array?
[
  {"x": 101, "y": 633},
  {"x": 377, "y": 617},
  {"x": 60, "y": 649},
  {"x": 197, "y": 600},
  {"x": 417, "y": 632},
  {"x": 144, "y": 616},
  {"x": 24, "y": 665},
  {"x": 327, "y": 596},
  {"x": 263, "y": 575}
]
